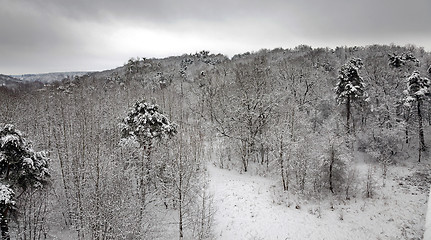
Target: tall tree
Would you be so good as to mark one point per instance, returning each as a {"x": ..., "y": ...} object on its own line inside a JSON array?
[
  {"x": 418, "y": 87},
  {"x": 402, "y": 64},
  {"x": 145, "y": 123},
  {"x": 21, "y": 169},
  {"x": 350, "y": 86}
]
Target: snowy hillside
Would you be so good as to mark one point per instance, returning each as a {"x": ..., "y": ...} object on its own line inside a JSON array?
[
  {"x": 296, "y": 143},
  {"x": 9, "y": 82},
  {"x": 250, "y": 207},
  {"x": 49, "y": 77}
]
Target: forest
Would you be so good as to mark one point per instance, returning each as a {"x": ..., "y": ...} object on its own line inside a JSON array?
[{"x": 123, "y": 153}]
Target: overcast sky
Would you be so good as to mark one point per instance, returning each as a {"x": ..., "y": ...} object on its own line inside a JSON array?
[{"x": 39, "y": 36}]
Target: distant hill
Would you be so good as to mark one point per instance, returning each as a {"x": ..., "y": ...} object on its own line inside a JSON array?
[
  {"x": 48, "y": 77},
  {"x": 9, "y": 82}
]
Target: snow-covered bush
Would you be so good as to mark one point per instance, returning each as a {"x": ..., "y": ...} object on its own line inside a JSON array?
[{"x": 336, "y": 163}]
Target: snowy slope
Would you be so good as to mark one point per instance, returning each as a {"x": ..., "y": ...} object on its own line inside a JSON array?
[{"x": 246, "y": 209}]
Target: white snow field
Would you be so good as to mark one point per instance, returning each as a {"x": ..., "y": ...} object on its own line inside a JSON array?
[{"x": 247, "y": 207}]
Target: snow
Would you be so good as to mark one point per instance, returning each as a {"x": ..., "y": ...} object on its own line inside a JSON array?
[
  {"x": 427, "y": 234},
  {"x": 9, "y": 139},
  {"x": 422, "y": 92},
  {"x": 246, "y": 210},
  {"x": 28, "y": 162},
  {"x": 6, "y": 195},
  {"x": 253, "y": 207}
]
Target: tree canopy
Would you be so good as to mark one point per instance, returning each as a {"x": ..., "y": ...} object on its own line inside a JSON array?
[{"x": 145, "y": 122}]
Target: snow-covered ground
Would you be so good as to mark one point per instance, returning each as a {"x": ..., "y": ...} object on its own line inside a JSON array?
[
  {"x": 427, "y": 234},
  {"x": 250, "y": 207}
]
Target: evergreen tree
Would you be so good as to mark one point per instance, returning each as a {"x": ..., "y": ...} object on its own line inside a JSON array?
[
  {"x": 402, "y": 64},
  {"x": 350, "y": 86},
  {"x": 396, "y": 61},
  {"x": 418, "y": 87},
  {"x": 145, "y": 124},
  {"x": 21, "y": 169}
]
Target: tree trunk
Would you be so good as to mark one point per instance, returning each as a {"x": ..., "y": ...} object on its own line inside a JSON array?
[
  {"x": 421, "y": 129},
  {"x": 283, "y": 177},
  {"x": 331, "y": 165},
  {"x": 244, "y": 156},
  {"x": 292, "y": 123},
  {"x": 244, "y": 163},
  {"x": 4, "y": 226},
  {"x": 406, "y": 115},
  {"x": 180, "y": 224},
  {"x": 180, "y": 197},
  {"x": 348, "y": 114}
]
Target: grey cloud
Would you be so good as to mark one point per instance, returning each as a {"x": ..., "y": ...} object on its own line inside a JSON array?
[
  {"x": 313, "y": 18},
  {"x": 32, "y": 29},
  {"x": 365, "y": 18},
  {"x": 320, "y": 17}
]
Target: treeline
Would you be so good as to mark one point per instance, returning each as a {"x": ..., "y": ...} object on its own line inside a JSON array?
[{"x": 270, "y": 112}]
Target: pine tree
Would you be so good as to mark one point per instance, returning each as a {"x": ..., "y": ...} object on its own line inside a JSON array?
[
  {"x": 145, "y": 124},
  {"x": 21, "y": 169},
  {"x": 350, "y": 86},
  {"x": 400, "y": 62},
  {"x": 396, "y": 61},
  {"x": 417, "y": 88}
]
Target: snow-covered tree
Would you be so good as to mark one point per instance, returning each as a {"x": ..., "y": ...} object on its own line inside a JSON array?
[
  {"x": 21, "y": 169},
  {"x": 7, "y": 205},
  {"x": 185, "y": 171},
  {"x": 245, "y": 106},
  {"x": 397, "y": 61},
  {"x": 146, "y": 124},
  {"x": 350, "y": 86},
  {"x": 402, "y": 65},
  {"x": 336, "y": 163},
  {"x": 417, "y": 88}
]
